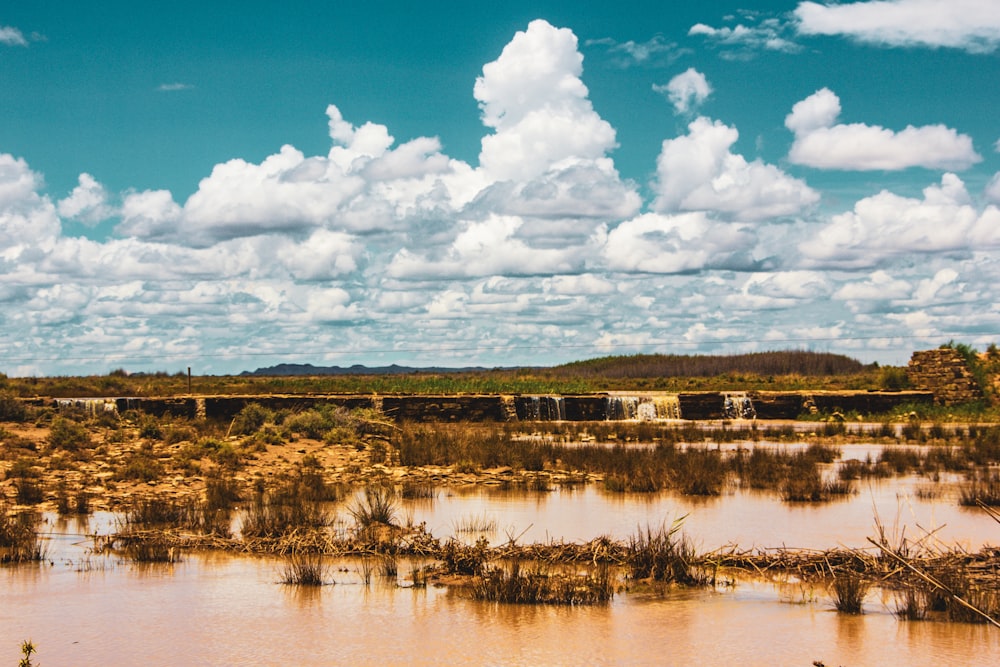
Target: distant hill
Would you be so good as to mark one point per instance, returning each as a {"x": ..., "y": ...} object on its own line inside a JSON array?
[
  {"x": 356, "y": 369},
  {"x": 791, "y": 362}
]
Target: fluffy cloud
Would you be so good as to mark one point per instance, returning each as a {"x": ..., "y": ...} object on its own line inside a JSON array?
[
  {"x": 971, "y": 25},
  {"x": 782, "y": 289},
  {"x": 877, "y": 286},
  {"x": 88, "y": 202},
  {"x": 486, "y": 248},
  {"x": 821, "y": 143},
  {"x": 687, "y": 90},
  {"x": 533, "y": 98},
  {"x": 590, "y": 189},
  {"x": 992, "y": 192},
  {"x": 699, "y": 172},
  {"x": 888, "y": 225},
  {"x": 27, "y": 219},
  {"x": 654, "y": 243},
  {"x": 377, "y": 249},
  {"x": 768, "y": 33},
  {"x": 11, "y": 36}
]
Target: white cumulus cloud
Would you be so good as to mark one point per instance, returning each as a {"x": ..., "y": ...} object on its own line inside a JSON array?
[
  {"x": 533, "y": 98},
  {"x": 11, "y": 36},
  {"x": 655, "y": 243},
  {"x": 821, "y": 143},
  {"x": 686, "y": 91},
  {"x": 970, "y": 25},
  {"x": 887, "y": 225},
  {"x": 88, "y": 202},
  {"x": 699, "y": 172}
]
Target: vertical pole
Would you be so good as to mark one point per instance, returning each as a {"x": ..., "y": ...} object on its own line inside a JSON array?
[{"x": 189, "y": 379}]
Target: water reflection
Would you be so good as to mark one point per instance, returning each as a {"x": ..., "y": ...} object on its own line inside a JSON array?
[{"x": 213, "y": 608}]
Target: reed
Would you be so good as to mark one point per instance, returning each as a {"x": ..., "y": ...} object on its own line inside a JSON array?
[
  {"x": 983, "y": 488},
  {"x": 460, "y": 558},
  {"x": 388, "y": 566},
  {"x": 661, "y": 555},
  {"x": 19, "y": 541},
  {"x": 280, "y": 512},
  {"x": 516, "y": 583},
  {"x": 418, "y": 576},
  {"x": 475, "y": 523},
  {"x": 153, "y": 547},
  {"x": 849, "y": 591},
  {"x": 376, "y": 506},
  {"x": 305, "y": 569},
  {"x": 912, "y": 603}
]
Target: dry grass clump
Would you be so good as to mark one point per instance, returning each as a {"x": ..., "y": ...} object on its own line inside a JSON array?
[
  {"x": 139, "y": 466},
  {"x": 984, "y": 488},
  {"x": 376, "y": 506},
  {"x": 461, "y": 558},
  {"x": 305, "y": 569},
  {"x": 282, "y": 510},
  {"x": 516, "y": 583},
  {"x": 661, "y": 555},
  {"x": 849, "y": 591},
  {"x": 19, "y": 541},
  {"x": 475, "y": 523}
]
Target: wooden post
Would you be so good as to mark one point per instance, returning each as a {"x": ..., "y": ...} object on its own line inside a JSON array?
[{"x": 189, "y": 379}]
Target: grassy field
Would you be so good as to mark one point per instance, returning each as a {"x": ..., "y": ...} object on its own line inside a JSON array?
[{"x": 773, "y": 371}]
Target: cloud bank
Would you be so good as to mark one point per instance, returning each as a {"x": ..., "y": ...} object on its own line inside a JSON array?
[{"x": 378, "y": 249}]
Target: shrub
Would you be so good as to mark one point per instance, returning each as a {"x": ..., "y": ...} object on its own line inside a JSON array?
[
  {"x": 11, "y": 409},
  {"x": 68, "y": 434},
  {"x": 251, "y": 419},
  {"x": 139, "y": 467},
  {"x": 149, "y": 427}
]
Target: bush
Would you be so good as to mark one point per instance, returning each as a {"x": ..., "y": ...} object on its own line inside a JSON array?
[
  {"x": 140, "y": 467},
  {"x": 68, "y": 434},
  {"x": 11, "y": 409},
  {"x": 149, "y": 427},
  {"x": 251, "y": 419}
]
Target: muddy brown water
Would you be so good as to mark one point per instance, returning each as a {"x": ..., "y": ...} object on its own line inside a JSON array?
[{"x": 218, "y": 609}]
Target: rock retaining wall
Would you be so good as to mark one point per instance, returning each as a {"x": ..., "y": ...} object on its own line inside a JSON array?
[{"x": 945, "y": 373}]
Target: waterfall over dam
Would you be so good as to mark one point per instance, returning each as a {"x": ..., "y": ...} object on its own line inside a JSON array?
[{"x": 608, "y": 406}]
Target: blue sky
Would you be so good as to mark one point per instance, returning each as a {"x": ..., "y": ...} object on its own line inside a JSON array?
[{"x": 231, "y": 185}]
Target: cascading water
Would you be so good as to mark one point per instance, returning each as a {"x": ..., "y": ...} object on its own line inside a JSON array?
[
  {"x": 93, "y": 406},
  {"x": 544, "y": 408},
  {"x": 643, "y": 408},
  {"x": 737, "y": 405},
  {"x": 621, "y": 408}
]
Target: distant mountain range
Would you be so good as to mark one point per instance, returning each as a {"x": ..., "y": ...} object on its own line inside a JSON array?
[{"x": 356, "y": 369}]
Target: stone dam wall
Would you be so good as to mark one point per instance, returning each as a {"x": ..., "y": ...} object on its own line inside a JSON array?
[
  {"x": 503, "y": 408},
  {"x": 945, "y": 373}
]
